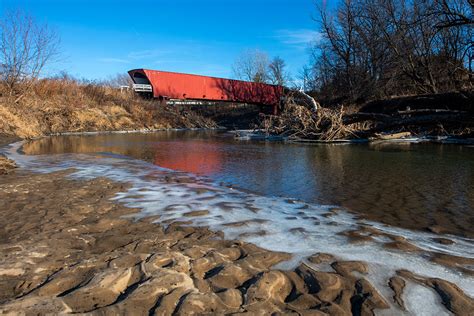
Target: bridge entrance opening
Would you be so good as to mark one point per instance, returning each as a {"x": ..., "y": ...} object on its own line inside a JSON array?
[{"x": 142, "y": 85}]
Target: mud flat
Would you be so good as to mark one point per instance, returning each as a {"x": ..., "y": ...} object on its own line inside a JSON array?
[{"x": 73, "y": 241}]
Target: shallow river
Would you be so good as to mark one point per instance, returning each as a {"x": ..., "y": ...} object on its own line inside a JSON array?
[
  {"x": 416, "y": 186},
  {"x": 395, "y": 206}
]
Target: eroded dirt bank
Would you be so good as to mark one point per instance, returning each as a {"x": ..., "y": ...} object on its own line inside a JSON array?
[
  {"x": 66, "y": 247},
  {"x": 6, "y": 165},
  {"x": 50, "y": 106}
]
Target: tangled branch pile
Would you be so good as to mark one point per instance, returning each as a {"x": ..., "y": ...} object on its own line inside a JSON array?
[
  {"x": 299, "y": 122},
  {"x": 450, "y": 114}
]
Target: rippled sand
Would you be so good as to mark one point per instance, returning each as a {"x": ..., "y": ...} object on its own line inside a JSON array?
[{"x": 65, "y": 249}]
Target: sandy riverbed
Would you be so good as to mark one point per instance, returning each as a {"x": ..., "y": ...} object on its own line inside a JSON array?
[{"x": 66, "y": 247}]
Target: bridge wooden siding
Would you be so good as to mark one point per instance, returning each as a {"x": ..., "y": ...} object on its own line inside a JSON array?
[{"x": 166, "y": 85}]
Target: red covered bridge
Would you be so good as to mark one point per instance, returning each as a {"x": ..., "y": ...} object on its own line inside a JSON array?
[{"x": 166, "y": 85}]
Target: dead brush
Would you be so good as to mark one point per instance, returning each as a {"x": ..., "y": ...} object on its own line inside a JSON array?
[
  {"x": 66, "y": 105},
  {"x": 95, "y": 93},
  {"x": 294, "y": 121},
  {"x": 297, "y": 121},
  {"x": 331, "y": 124}
]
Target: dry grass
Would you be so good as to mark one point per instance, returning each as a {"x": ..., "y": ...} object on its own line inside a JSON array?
[{"x": 54, "y": 106}]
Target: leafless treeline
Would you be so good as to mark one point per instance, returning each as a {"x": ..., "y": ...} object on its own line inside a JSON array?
[
  {"x": 379, "y": 48},
  {"x": 26, "y": 47},
  {"x": 254, "y": 65}
]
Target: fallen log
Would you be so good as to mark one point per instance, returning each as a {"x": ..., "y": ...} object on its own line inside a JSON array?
[
  {"x": 361, "y": 117},
  {"x": 397, "y": 122},
  {"x": 420, "y": 114},
  {"x": 461, "y": 101},
  {"x": 430, "y": 111},
  {"x": 301, "y": 98},
  {"x": 390, "y": 136}
]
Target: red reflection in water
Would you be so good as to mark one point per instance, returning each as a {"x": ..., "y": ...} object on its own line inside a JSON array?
[{"x": 189, "y": 157}]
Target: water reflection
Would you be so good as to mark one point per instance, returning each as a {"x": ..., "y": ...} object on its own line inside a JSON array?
[
  {"x": 195, "y": 157},
  {"x": 413, "y": 186}
]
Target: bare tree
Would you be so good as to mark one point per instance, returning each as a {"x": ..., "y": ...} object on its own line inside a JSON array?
[
  {"x": 457, "y": 20},
  {"x": 277, "y": 73},
  {"x": 378, "y": 48},
  {"x": 251, "y": 65},
  {"x": 456, "y": 13},
  {"x": 26, "y": 47},
  {"x": 307, "y": 79},
  {"x": 120, "y": 79}
]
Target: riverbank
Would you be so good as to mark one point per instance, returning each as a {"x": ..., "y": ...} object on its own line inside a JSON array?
[
  {"x": 52, "y": 106},
  {"x": 69, "y": 248}
]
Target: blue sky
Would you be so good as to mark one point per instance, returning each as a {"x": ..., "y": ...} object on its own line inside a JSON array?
[{"x": 102, "y": 38}]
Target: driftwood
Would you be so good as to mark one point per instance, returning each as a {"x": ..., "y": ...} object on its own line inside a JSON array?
[
  {"x": 361, "y": 117},
  {"x": 430, "y": 111},
  {"x": 457, "y": 119},
  {"x": 390, "y": 136},
  {"x": 302, "y": 98},
  {"x": 423, "y": 117}
]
